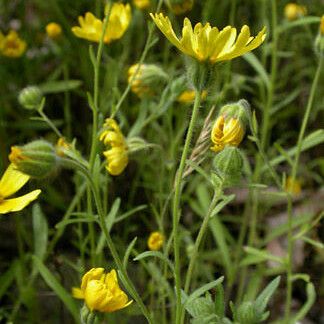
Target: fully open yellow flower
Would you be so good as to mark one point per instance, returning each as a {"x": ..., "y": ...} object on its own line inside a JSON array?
[
  {"x": 10, "y": 183},
  {"x": 117, "y": 155},
  {"x": 226, "y": 132},
  {"x": 12, "y": 45},
  {"x": 91, "y": 27},
  {"x": 206, "y": 43},
  {"x": 101, "y": 291},
  {"x": 155, "y": 241}
]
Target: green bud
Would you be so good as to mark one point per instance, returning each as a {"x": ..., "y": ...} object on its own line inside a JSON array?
[
  {"x": 30, "y": 97},
  {"x": 246, "y": 313},
  {"x": 228, "y": 165},
  {"x": 87, "y": 317},
  {"x": 36, "y": 159},
  {"x": 239, "y": 110}
]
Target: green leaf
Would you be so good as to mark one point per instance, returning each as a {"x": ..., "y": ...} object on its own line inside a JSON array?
[
  {"x": 262, "y": 254},
  {"x": 299, "y": 22},
  {"x": 200, "y": 291},
  {"x": 222, "y": 204},
  {"x": 54, "y": 284},
  {"x": 40, "y": 231},
  {"x": 263, "y": 299},
  {"x": 220, "y": 301},
  {"x": 157, "y": 254},
  {"x": 59, "y": 86},
  {"x": 258, "y": 67},
  {"x": 7, "y": 277},
  {"x": 128, "y": 252}
]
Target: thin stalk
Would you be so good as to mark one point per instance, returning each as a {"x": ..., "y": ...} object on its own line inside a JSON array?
[
  {"x": 293, "y": 177},
  {"x": 176, "y": 204},
  {"x": 201, "y": 234}
]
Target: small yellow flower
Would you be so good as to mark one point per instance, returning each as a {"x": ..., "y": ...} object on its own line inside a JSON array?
[
  {"x": 142, "y": 4},
  {"x": 322, "y": 25},
  {"x": 91, "y": 27},
  {"x": 53, "y": 30},
  {"x": 226, "y": 132},
  {"x": 117, "y": 155},
  {"x": 206, "y": 43},
  {"x": 155, "y": 241},
  {"x": 293, "y": 187},
  {"x": 10, "y": 183},
  {"x": 180, "y": 7},
  {"x": 101, "y": 291},
  {"x": 11, "y": 45},
  {"x": 293, "y": 11},
  {"x": 188, "y": 96}
]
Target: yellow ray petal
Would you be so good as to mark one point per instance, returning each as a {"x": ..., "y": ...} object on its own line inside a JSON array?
[
  {"x": 17, "y": 204},
  {"x": 12, "y": 181}
]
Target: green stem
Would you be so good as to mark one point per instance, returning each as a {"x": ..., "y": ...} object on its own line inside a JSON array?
[
  {"x": 176, "y": 204},
  {"x": 293, "y": 178}
]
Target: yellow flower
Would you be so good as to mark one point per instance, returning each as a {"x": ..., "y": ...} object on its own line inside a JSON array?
[
  {"x": 293, "y": 11},
  {"x": 91, "y": 27},
  {"x": 117, "y": 155},
  {"x": 141, "y": 4},
  {"x": 180, "y": 7},
  {"x": 53, "y": 30},
  {"x": 226, "y": 132},
  {"x": 61, "y": 146},
  {"x": 101, "y": 291},
  {"x": 10, "y": 183},
  {"x": 206, "y": 43},
  {"x": 155, "y": 241},
  {"x": 293, "y": 187},
  {"x": 322, "y": 25},
  {"x": 11, "y": 45},
  {"x": 188, "y": 96}
]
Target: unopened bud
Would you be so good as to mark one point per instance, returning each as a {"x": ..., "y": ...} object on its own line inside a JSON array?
[
  {"x": 228, "y": 165},
  {"x": 36, "y": 159},
  {"x": 145, "y": 78},
  {"x": 179, "y": 7},
  {"x": 246, "y": 313},
  {"x": 30, "y": 97}
]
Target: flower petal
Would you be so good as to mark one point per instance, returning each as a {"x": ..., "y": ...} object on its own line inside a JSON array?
[
  {"x": 17, "y": 204},
  {"x": 12, "y": 181}
]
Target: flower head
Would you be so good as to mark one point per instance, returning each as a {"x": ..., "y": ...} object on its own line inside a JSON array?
[
  {"x": 293, "y": 186},
  {"x": 144, "y": 78},
  {"x": 142, "y": 4},
  {"x": 117, "y": 155},
  {"x": 12, "y": 45},
  {"x": 155, "y": 241},
  {"x": 11, "y": 181},
  {"x": 179, "y": 7},
  {"x": 226, "y": 132},
  {"x": 53, "y": 30},
  {"x": 101, "y": 291},
  {"x": 293, "y": 11},
  {"x": 91, "y": 27},
  {"x": 206, "y": 43},
  {"x": 188, "y": 96}
]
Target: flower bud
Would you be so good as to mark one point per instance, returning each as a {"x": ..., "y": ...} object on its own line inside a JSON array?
[
  {"x": 144, "y": 79},
  {"x": 155, "y": 241},
  {"x": 179, "y": 7},
  {"x": 293, "y": 11},
  {"x": 228, "y": 165},
  {"x": 36, "y": 159},
  {"x": 53, "y": 30},
  {"x": 319, "y": 41},
  {"x": 229, "y": 127},
  {"x": 142, "y": 4},
  {"x": 30, "y": 97},
  {"x": 246, "y": 313}
]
